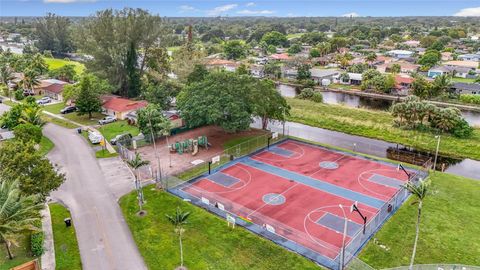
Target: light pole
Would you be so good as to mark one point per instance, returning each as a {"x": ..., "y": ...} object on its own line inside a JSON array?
[
  {"x": 342, "y": 258},
  {"x": 436, "y": 152}
]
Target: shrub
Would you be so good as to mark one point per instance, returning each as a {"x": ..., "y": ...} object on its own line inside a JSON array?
[
  {"x": 19, "y": 95},
  {"x": 36, "y": 243},
  {"x": 310, "y": 94},
  {"x": 28, "y": 132},
  {"x": 462, "y": 129},
  {"x": 468, "y": 98},
  {"x": 317, "y": 97}
]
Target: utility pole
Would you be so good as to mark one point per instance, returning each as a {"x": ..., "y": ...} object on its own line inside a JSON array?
[
  {"x": 436, "y": 152},
  {"x": 155, "y": 149}
]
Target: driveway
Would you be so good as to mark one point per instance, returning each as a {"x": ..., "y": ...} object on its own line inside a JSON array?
[{"x": 91, "y": 192}]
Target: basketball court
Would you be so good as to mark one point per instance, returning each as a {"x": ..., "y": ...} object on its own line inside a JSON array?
[{"x": 322, "y": 203}]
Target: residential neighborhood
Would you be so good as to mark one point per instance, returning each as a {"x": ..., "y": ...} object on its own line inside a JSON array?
[{"x": 239, "y": 135}]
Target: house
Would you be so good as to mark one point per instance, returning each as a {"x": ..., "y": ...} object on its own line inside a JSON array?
[
  {"x": 352, "y": 79},
  {"x": 400, "y": 54},
  {"x": 174, "y": 117},
  {"x": 412, "y": 43},
  {"x": 52, "y": 88},
  {"x": 257, "y": 71},
  {"x": 289, "y": 73},
  {"x": 447, "y": 56},
  {"x": 319, "y": 75},
  {"x": 403, "y": 83},
  {"x": 120, "y": 107},
  {"x": 405, "y": 67},
  {"x": 279, "y": 57},
  {"x": 460, "y": 72},
  {"x": 457, "y": 63},
  {"x": 222, "y": 64},
  {"x": 470, "y": 57},
  {"x": 466, "y": 88}
]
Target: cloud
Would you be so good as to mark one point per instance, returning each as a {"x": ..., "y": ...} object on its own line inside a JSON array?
[
  {"x": 250, "y": 4},
  {"x": 67, "y": 1},
  {"x": 469, "y": 12},
  {"x": 187, "y": 8},
  {"x": 351, "y": 14},
  {"x": 220, "y": 9},
  {"x": 255, "y": 12}
]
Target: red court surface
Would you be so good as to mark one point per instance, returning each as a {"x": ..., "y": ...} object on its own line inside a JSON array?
[{"x": 286, "y": 188}]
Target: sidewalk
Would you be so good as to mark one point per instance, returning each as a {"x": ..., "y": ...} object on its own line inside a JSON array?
[{"x": 48, "y": 256}]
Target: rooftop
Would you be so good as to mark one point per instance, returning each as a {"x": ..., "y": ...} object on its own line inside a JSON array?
[{"x": 119, "y": 104}]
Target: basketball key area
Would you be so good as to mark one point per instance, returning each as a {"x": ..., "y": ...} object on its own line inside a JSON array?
[{"x": 322, "y": 203}]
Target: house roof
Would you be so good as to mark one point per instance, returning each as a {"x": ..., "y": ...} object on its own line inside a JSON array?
[
  {"x": 320, "y": 73},
  {"x": 399, "y": 79},
  {"x": 119, "y": 104},
  {"x": 54, "y": 88},
  {"x": 400, "y": 52},
  {"x": 470, "y": 64},
  {"x": 467, "y": 86},
  {"x": 221, "y": 62},
  {"x": 280, "y": 56}
]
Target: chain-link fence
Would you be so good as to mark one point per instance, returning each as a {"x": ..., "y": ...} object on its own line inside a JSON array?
[{"x": 437, "y": 267}]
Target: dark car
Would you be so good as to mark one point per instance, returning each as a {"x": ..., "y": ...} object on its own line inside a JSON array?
[
  {"x": 68, "y": 109},
  {"x": 124, "y": 136}
]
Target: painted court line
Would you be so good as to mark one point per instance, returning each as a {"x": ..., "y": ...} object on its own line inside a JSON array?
[
  {"x": 265, "y": 204},
  {"x": 318, "y": 184}
]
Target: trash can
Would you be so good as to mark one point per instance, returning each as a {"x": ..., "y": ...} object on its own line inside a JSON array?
[
  {"x": 79, "y": 130},
  {"x": 68, "y": 222}
]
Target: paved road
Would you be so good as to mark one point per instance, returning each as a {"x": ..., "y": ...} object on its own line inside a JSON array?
[{"x": 91, "y": 192}]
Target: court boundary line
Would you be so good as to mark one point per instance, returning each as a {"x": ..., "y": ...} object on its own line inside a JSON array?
[
  {"x": 278, "y": 195},
  {"x": 285, "y": 158},
  {"x": 383, "y": 195}
]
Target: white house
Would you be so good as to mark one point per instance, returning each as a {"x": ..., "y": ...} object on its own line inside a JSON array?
[{"x": 400, "y": 54}]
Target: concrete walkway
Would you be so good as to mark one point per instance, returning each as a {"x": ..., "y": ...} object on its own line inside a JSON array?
[
  {"x": 48, "y": 256},
  {"x": 91, "y": 192}
]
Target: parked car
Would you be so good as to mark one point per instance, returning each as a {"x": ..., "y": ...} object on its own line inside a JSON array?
[
  {"x": 94, "y": 137},
  {"x": 44, "y": 100},
  {"x": 27, "y": 93},
  {"x": 124, "y": 136},
  {"x": 68, "y": 109},
  {"x": 106, "y": 120}
]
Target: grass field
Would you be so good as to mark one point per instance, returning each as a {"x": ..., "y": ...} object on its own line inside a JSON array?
[
  {"x": 464, "y": 80},
  {"x": 104, "y": 154},
  {"x": 67, "y": 255},
  {"x": 21, "y": 254},
  {"x": 449, "y": 232},
  {"x": 45, "y": 145},
  {"x": 54, "y": 108},
  {"x": 378, "y": 125},
  {"x": 59, "y": 122},
  {"x": 84, "y": 119},
  {"x": 54, "y": 63},
  {"x": 208, "y": 242},
  {"x": 111, "y": 130}
]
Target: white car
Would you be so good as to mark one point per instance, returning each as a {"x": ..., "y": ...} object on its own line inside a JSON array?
[
  {"x": 44, "y": 100},
  {"x": 106, "y": 120},
  {"x": 94, "y": 137}
]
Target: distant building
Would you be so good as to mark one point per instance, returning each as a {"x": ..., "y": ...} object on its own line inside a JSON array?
[
  {"x": 469, "y": 57},
  {"x": 455, "y": 71},
  {"x": 405, "y": 67},
  {"x": 447, "y": 56},
  {"x": 257, "y": 71},
  {"x": 400, "y": 54},
  {"x": 352, "y": 79},
  {"x": 279, "y": 57},
  {"x": 412, "y": 43},
  {"x": 403, "y": 83},
  {"x": 321, "y": 74},
  {"x": 222, "y": 64},
  {"x": 469, "y": 64},
  {"x": 466, "y": 88},
  {"x": 52, "y": 88}
]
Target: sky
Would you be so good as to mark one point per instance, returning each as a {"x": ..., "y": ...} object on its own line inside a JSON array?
[{"x": 272, "y": 8}]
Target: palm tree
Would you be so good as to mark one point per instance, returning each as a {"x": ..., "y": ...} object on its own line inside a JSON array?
[
  {"x": 30, "y": 79},
  {"x": 370, "y": 58},
  {"x": 178, "y": 221},
  {"x": 18, "y": 214},
  {"x": 6, "y": 74},
  {"x": 136, "y": 163},
  {"x": 32, "y": 115},
  {"x": 440, "y": 85},
  {"x": 419, "y": 192},
  {"x": 166, "y": 128}
]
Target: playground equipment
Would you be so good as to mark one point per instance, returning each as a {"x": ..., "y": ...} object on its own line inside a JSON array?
[{"x": 189, "y": 145}]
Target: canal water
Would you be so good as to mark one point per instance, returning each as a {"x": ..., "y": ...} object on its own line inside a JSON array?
[{"x": 329, "y": 97}]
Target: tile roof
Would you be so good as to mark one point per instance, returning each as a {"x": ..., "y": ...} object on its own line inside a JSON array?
[{"x": 119, "y": 104}]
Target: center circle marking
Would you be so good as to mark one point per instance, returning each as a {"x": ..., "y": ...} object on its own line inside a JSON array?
[{"x": 273, "y": 199}]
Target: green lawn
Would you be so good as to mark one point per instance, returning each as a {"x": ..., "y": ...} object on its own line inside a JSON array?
[
  {"x": 104, "y": 154},
  {"x": 111, "y": 130},
  {"x": 208, "y": 242},
  {"x": 84, "y": 119},
  {"x": 54, "y": 63},
  {"x": 449, "y": 233},
  {"x": 59, "y": 122},
  {"x": 45, "y": 145},
  {"x": 464, "y": 80},
  {"x": 294, "y": 35},
  {"x": 54, "y": 108},
  {"x": 21, "y": 254},
  {"x": 344, "y": 86},
  {"x": 67, "y": 255},
  {"x": 378, "y": 125}
]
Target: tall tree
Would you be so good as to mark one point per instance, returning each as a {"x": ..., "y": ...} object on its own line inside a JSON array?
[
  {"x": 88, "y": 99},
  {"x": 108, "y": 37},
  {"x": 419, "y": 191},
  {"x": 131, "y": 87},
  {"x": 235, "y": 49},
  {"x": 179, "y": 220},
  {"x": 135, "y": 164},
  {"x": 185, "y": 59},
  {"x": 36, "y": 175},
  {"x": 18, "y": 214},
  {"x": 54, "y": 34},
  {"x": 268, "y": 104}
]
